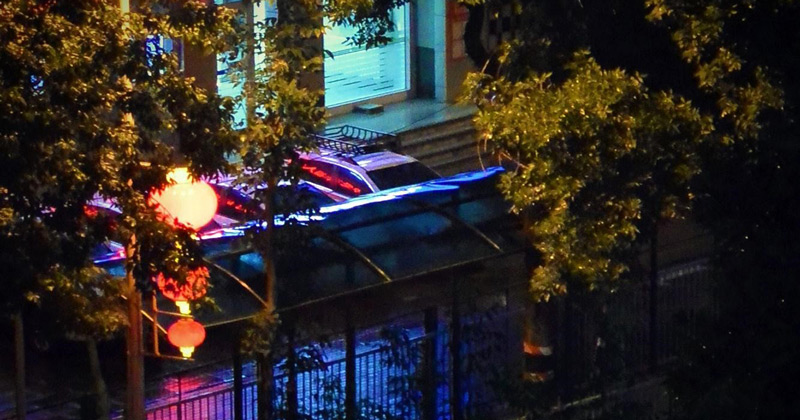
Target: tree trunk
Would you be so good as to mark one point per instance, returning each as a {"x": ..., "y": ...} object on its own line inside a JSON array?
[
  {"x": 19, "y": 366},
  {"x": 265, "y": 377},
  {"x": 102, "y": 403},
  {"x": 134, "y": 405},
  {"x": 268, "y": 251}
]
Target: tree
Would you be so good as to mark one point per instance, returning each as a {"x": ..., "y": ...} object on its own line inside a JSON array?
[
  {"x": 92, "y": 104},
  {"x": 594, "y": 157},
  {"x": 720, "y": 138},
  {"x": 744, "y": 362},
  {"x": 283, "y": 113}
]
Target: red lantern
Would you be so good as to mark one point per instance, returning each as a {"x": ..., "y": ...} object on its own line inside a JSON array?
[
  {"x": 189, "y": 202},
  {"x": 195, "y": 287},
  {"x": 186, "y": 334}
]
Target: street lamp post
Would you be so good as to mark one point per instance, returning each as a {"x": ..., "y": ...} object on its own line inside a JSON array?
[
  {"x": 188, "y": 202},
  {"x": 134, "y": 407}
]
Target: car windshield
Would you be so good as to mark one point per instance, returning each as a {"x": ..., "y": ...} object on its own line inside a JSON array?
[{"x": 400, "y": 175}]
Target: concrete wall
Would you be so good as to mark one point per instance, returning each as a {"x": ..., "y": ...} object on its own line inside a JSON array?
[{"x": 457, "y": 63}]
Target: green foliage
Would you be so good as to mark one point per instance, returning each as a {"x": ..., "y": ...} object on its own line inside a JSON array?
[
  {"x": 259, "y": 338},
  {"x": 592, "y": 158},
  {"x": 702, "y": 33},
  {"x": 743, "y": 363},
  {"x": 90, "y": 105},
  {"x": 83, "y": 304},
  {"x": 285, "y": 111},
  {"x": 404, "y": 358},
  {"x": 372, "y": 20},
  {"x": 731, "y": 153}
]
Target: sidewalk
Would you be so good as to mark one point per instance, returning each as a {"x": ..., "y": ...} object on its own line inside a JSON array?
[{"x": 405, "y": 116}]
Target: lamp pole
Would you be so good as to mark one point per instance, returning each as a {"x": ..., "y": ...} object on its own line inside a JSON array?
[
  {"x": 134, "y": 406},
  {"x": 170, "y": 202}
]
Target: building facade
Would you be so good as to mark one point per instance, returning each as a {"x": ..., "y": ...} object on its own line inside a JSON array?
[{"x": 424, "y": 59}]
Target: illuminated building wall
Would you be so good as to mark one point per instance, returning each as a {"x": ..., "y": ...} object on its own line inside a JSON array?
[
  {"x": 425, "y": 58},
  {"x": 230, "y": 81},
  {"x": 354, "y": 74}
]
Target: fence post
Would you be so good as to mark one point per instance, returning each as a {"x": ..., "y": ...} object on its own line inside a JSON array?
[
  {"x": 238, "y": 385},
  {"x": 654, "y": 300},
  {"x": 429, "y": 364},
  {"x": 456, "y": 391},
  {"x": 291, "y": 371},
  {"x": 350, "y": 373},
  {"x": 19, "y": 366},
  {"x": 563, "y": 350},
  {"x": 180, "y": 396}
]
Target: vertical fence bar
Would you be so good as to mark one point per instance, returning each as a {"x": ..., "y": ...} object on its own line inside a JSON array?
[
  {"x": 456, "y": 388},
  {"x": 238, "y": 385},
  {"x": 350, "y": 374},
  {"x": 654, "y": 300},
  {"x": 19, "y": 367},
  {"x": 429, "y": 364},
  {"x": 291, "y": 383},
  {"x": 564, "y": 347},
  {"x": 180, "y": 398}
]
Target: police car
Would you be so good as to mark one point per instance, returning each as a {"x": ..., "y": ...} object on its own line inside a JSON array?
[{"x": 352, "y": 161}]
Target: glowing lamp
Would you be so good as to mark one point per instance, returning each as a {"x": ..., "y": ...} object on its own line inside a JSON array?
[
  {"x": 186, "y": 334},
  {"x": 189, "y": 202},
  {"x": 195, "y": 287}
]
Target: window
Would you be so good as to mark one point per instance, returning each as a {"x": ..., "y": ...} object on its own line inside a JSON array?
[
  {"x": 156, "y": 46},
  {"x": 231, "y": 82},
  {"x": 338, "y": 179},
  {"x": 355, "y": 74},
  {"x": 400, "y": 175}
]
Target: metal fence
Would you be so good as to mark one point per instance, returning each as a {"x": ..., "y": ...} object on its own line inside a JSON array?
[
  {"x": 612, "y": 334},
  {"x": 389, "y": 379},
  {"x": 450, "y": 367}
]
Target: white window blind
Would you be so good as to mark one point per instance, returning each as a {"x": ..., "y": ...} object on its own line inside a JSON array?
[{"x": 355, "y": 74}]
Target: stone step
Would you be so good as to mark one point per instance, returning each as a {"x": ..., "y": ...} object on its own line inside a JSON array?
[
  {"x": 447, "y": 147},
  {"x": 416, "y": 137},
  {"x": 448, "y": 151},
  {"x": 443, "y": 143}
]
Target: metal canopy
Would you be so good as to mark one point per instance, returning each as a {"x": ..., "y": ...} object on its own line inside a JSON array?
[{"x": 370, "y": 241}]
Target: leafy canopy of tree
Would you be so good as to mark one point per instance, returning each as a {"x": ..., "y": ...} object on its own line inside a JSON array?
[
  {"x": 599, "y": 151},
  {"x": 593, "y": 155},
  {"x": 90, "y": 104},
  {"x": 745, "y": 364},
  {"x": 731, "y": 65}
]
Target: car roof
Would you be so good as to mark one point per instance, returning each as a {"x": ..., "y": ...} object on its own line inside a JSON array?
[
  {"x": 380, "y": 160},
  {"x": 368, "y": 161}
]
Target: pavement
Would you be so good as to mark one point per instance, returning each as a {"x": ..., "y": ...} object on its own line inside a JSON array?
[{"x": 405, "y": 116}]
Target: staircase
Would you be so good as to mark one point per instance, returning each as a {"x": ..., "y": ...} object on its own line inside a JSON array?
[{"x": 449, "y": 147}]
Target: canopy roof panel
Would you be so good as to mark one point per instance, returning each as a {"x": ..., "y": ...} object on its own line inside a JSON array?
[{"x": 371, "y": 240}]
